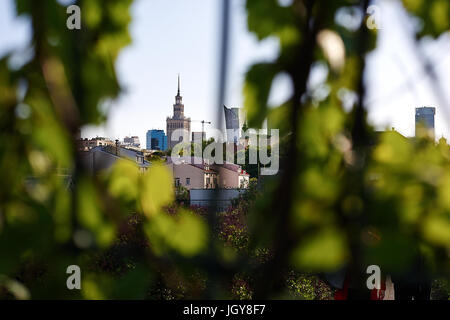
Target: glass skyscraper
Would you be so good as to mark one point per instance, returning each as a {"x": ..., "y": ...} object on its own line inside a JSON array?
[
  {"x": 156, "y": 140},
  {"x": 232, "y": 124}
]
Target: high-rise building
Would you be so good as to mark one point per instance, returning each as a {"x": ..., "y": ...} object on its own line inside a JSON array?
[
  {"x": 425, "y": 119},
  {"x": 178, "y": 121},
  {"x": 232, "y": 124},
  {"x": 156, "y": 140}
]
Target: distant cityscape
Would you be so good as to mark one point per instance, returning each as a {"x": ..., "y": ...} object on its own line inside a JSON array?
[
  {"x": 100, "y": 153},
  {"x": 198, "y": 176},
  {"x": 159, "y": 140}
]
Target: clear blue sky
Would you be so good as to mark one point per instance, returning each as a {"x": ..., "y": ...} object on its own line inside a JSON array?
[{"x": 180, "y": 36}]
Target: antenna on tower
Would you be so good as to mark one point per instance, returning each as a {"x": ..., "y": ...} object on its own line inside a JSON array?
[{"x": 178, "y": 84}]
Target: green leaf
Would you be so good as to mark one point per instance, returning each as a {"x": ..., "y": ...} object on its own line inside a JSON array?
[
  {"x": 266, "y": 18},
  {"x": 436, "y": 229},
  {"x": 394, "y": 149},
  {"x": 89, "y": 207},
  {"x": 156, "y": 189},
  {"x": 90, "y": 213},
  {"x": 434, "y": 14},
  {"x": 124, "y": 180},
  {"x": 324, "y": 250},
  {"x": 185, "y": 233},
  {"x": 17, "y": 289}
]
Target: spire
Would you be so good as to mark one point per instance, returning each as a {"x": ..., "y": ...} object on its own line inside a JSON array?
[{"x": 178, "y": 98}]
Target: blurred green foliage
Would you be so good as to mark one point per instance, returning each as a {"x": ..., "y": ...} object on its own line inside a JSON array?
[
  {"x": 433, "y": 15},
  {"x": 357, "y": 197}
]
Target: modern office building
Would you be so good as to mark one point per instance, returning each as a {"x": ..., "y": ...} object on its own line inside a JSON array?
[
  {"x": 156, "y": 140},
  {"x": 235, "y": 123},
  {"x": 425, "y": 120},
  {"x": 178, "y": 121},
  {"x": 232, "y": 124}
]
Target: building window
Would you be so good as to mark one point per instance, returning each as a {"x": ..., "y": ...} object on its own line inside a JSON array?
[
  {"x": 177, "y": 182},
  {"x": 188, "y": 181},
  {"x": 208, "y": 181}
]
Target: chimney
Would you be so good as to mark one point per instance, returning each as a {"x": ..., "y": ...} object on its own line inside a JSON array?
[{"x": 117, "y": 147}]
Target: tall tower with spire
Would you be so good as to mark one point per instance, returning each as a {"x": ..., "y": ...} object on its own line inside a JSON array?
[{"x": 178, "y": 121}]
